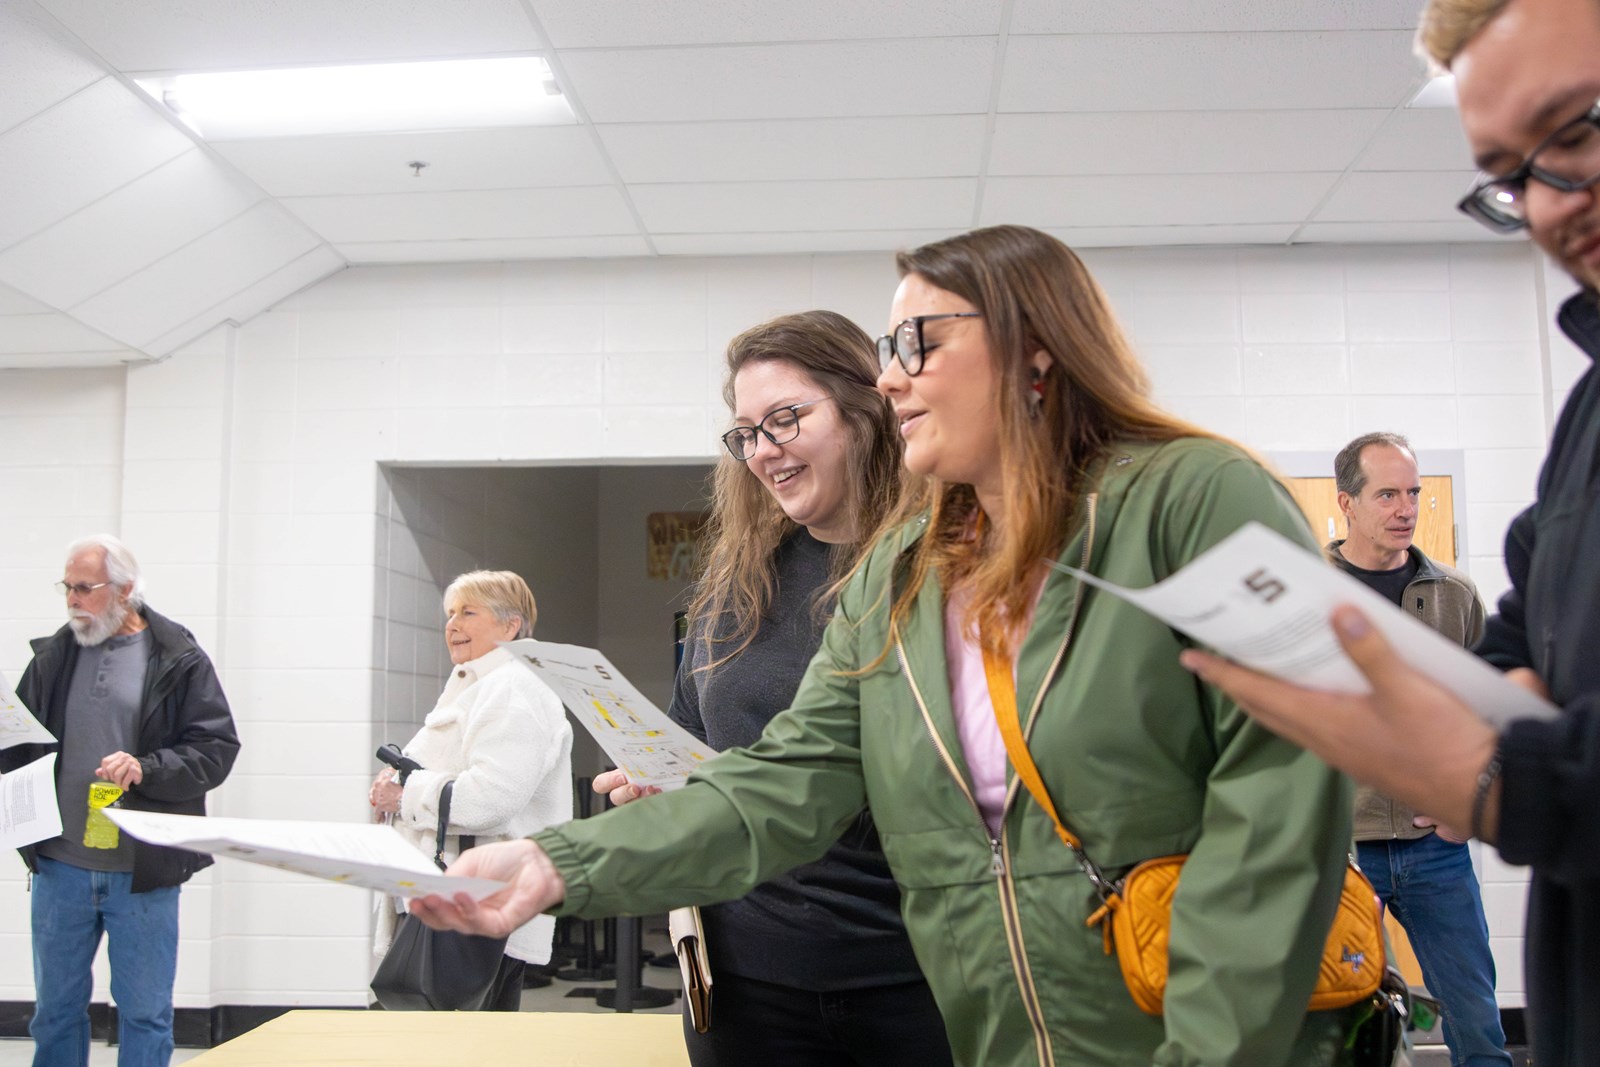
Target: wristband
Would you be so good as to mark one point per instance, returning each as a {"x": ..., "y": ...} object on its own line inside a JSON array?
[{"x": 1480, "y": 795}]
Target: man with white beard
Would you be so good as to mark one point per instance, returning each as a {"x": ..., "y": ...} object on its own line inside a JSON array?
[{"x": 142, "y": 723}]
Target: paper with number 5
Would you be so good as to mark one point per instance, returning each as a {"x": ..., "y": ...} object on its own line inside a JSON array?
[{"x": 1263, "y": 601}]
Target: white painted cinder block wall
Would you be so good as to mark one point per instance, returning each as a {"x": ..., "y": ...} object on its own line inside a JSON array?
[{"x": 244, "y": 473}]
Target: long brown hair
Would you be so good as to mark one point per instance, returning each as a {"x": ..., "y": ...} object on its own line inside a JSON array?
[
  {"x": 747, "y": 525},
  {"x": 1034, "y": 294}
]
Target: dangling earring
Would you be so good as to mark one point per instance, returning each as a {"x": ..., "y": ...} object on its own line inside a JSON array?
[{"x": 1036, "y": 397}]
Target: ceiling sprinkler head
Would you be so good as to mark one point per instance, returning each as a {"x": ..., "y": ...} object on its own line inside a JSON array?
[{"x": 416, "y": 166}]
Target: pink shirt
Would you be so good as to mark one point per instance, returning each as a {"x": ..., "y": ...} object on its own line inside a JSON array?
[{"x": 981, "y": 744}]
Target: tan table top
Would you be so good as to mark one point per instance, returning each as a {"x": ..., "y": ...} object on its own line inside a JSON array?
[{"x": 446, "y": 1039}]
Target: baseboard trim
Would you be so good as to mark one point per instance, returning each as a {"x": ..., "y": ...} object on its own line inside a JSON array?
[
  {"x": 209, "y": 1027},
  {"x": 191, "y": 1027}
]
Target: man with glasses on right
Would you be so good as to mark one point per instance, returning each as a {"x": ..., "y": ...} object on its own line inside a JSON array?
[{"x": 1527, "y": 81}]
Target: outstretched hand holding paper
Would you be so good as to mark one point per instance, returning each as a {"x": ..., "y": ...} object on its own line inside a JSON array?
[
  {"x": 1263, "y": 601},
  {"x": 373, "y": 857}
]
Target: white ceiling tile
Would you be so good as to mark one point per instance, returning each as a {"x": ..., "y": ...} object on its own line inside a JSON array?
[
  {"x": 129, "y": 229},
  {"x": 1419, "y": 139},
  {"x": 1125, "y": 236},
  {"x": 1153, "y": 199},
  {"x": 1209, "y": 72},
  {"x": 49, "y": 332},
  {"x": 1185, "y": 142},
  {"x": 491, "y": 250},
  {"x": 1395, "y": 232},
  {"x": 244, "y": 305},
  {"x": 937, "y": 76},
  {"x": 467, "y": 215},
  {"x": 517, "y": 158},
  {"x": 946, "y": 146},
  {"x": 1418, "y": 196},
  {"x": 1229, "y": 16},
  {"x": 168, "y": 35},
  {"x": 732, "y": 207},
  {"x": 40, "y": 68},
  {"x": 198, "y": 276},
  {"x": 625, "y": 23},
  {"x": 78, "y": 151},
  {"x": 15, "y": 303},
  {"x": 743, "y": 244}
]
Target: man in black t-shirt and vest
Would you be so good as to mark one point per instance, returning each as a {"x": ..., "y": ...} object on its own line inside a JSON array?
[{"x": 1421, "y": 869}]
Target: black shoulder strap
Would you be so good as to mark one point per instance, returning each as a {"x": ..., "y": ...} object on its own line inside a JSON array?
[{"x": 466, "y": 840}]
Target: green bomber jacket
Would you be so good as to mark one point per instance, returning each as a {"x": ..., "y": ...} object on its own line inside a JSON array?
[{"x": 1142, "y": 761}]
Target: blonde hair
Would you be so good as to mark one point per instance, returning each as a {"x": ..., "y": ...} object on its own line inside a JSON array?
[
  {"x": 504, "y": 593},
  {"x": 1034, "y": 294},
  {"x": 1447, "y": 25},
  {"x": 747, "y": 526}
]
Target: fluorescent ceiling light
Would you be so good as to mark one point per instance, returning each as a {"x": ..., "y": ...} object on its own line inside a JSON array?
[
  {"x": 373, "y": 98},
  {"x": 1439, "y": 92}
]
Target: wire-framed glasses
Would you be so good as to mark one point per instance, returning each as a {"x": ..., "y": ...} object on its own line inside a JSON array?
[
  {"x": 904, "y": 342},
  {"x": 81, "y": 588},
  {"x": 780, "y": 426},
  {"x": 1568, "y": 160}
]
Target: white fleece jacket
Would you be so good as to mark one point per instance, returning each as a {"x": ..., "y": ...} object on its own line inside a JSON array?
[{"x": 502, "y": 736}]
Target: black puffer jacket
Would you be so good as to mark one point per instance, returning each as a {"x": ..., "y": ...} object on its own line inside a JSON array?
[
  {"x": 186, "y": 745},
  {"x": 1550, "y": 800}
]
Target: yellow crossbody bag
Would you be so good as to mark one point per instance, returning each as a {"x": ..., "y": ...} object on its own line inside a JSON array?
[{"x": 1135, "y": 913}]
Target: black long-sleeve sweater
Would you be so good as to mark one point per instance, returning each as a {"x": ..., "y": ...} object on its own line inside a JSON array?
[{"x": 829, "y": 925}]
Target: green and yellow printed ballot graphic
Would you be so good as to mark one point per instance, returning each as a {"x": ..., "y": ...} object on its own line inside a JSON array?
[{"x": 645, "y": 745}]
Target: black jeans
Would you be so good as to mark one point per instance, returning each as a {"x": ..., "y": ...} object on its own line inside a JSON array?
[{"x": 754, "y": 1022}]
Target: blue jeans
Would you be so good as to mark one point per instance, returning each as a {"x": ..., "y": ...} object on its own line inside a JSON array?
[
  {"x": 71, "y": 907},
  {"x": 1429, "y": 885}
]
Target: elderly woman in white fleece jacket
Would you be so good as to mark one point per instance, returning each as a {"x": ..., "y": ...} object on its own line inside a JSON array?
[{"x": 501, "y": 735}]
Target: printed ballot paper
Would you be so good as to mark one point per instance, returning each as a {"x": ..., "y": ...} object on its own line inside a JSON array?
[
  {"x": 645, "y": 745},
  {"x": 17, "y": 727},
  {"x": 1263, "y": 601},
  {"x": 28, "y": 811},
  {"x": 370, "y": 856}
]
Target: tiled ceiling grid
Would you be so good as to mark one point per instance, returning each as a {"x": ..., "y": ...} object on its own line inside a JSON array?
[{"x": 704, "y": 127}]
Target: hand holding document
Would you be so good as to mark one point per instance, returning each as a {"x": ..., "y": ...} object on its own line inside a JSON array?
[
  {"x": 645, "y": 745},
  {"x": 373, "y": 857},
  {"x": 17, "y": 726},
  {"x": 1263, "y": 601},
  {"x": 28, "y": 811}
]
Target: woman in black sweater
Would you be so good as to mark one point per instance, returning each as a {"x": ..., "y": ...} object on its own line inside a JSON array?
[{"x": 813, "y": 967}]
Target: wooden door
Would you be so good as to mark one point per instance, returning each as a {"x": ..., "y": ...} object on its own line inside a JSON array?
[{"x": 1436, "y": 526}]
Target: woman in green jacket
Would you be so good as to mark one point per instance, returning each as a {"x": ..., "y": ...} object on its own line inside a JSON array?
[{"x": 1029, "y": 437}]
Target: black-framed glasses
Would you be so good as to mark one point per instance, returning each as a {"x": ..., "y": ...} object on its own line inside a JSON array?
[
  {"x": 780, "y": 426},
  {"x": 1568, "y": 160},
  {"x": 904, "y": 342},
  {"x": 81, "y": 588}
]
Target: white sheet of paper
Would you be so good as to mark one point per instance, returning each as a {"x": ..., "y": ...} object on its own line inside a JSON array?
[
  {"x": 17, "y": 726},
  {"x": 1263, "y": 601},
  {"x": 370, "y": 856},
  {"x": 647, "y": 746},
  {"x": 28, "y": 811}
]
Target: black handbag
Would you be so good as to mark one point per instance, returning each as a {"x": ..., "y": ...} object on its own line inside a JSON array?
[
  {"x": 437, "y": 970},
  {"x": 1394, "y": 1010}
]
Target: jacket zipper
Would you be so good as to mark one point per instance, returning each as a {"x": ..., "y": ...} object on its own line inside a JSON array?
[{"x": 1000, "y": 865}]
